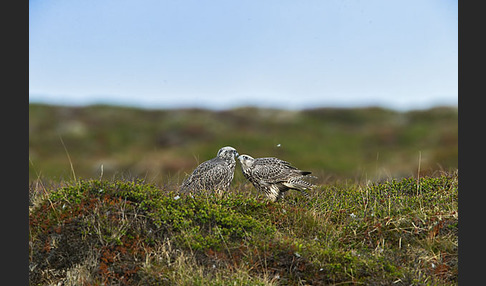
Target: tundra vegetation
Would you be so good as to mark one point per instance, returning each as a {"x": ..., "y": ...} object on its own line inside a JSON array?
[
  {"x": 103, "y": 232},
  {"x": 384, "y": 212}
]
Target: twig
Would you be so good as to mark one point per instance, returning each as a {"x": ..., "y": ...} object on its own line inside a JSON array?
[{"x": 69, "y": 158}]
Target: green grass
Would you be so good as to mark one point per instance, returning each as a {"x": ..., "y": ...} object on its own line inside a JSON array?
[{"x": 100, "y": 232}]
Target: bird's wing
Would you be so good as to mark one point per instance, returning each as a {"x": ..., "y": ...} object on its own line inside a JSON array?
[
  {"x": 217, "y": 175},
  {"x": 208, "y": 173},
  {"x": 271, "y": 170}
]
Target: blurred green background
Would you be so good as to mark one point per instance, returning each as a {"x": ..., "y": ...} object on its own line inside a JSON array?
[{"x": 163, "y": 146}]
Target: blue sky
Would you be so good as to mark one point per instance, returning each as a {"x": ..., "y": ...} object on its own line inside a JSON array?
[{"x": 222, "y": 54}]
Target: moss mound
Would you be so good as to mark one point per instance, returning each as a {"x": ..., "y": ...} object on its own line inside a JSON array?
[{"x": 134, "y": 233}]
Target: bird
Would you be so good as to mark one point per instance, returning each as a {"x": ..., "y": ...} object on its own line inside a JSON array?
[
  {"x": 274, "y": 176},
  {"x": 212, "y": 175}
]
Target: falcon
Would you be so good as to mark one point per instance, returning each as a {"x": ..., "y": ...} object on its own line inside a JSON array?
[
  {"x": 273, "y": 176},
  {"x": 213, "y": 175}
]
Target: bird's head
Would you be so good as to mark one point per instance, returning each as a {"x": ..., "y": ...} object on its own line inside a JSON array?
[
  {"x": 227, "y": 152},
  {"x": 246, "y": 161}
]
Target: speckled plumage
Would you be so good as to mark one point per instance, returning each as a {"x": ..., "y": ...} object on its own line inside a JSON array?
[
  {"x": 273, "y": 176},
  {"x": 213, "y": 175}
]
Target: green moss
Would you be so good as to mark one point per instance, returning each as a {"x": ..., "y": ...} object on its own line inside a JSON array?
[{"x": 140, "y": 234}]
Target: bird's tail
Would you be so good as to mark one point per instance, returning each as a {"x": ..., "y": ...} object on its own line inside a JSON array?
[{"x": 300, "y": 185}]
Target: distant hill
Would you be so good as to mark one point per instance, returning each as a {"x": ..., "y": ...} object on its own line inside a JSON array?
[{"x": 163, "y": 146}]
